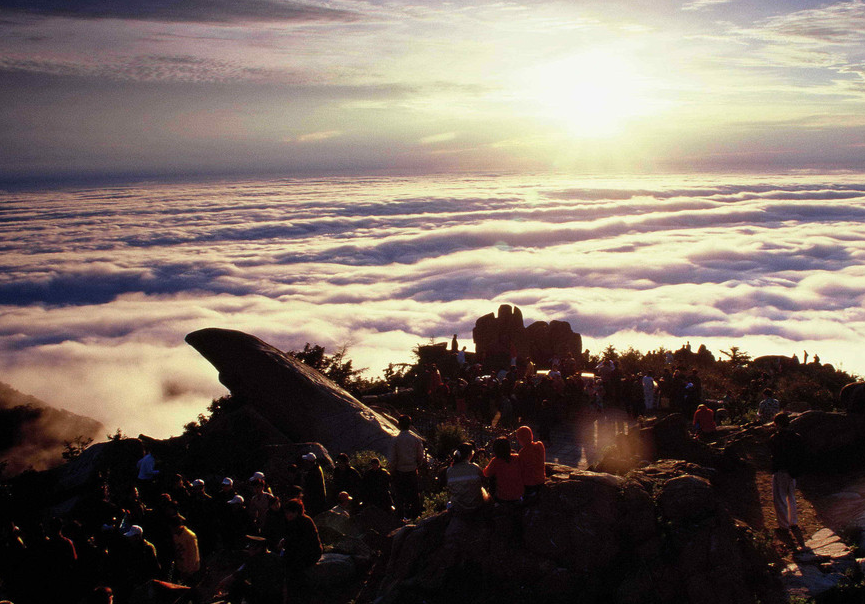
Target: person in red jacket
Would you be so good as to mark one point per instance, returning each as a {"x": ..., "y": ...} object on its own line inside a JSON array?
[
  {"x": 532, "y": 459},
  {"x": 505, "y": 468}
]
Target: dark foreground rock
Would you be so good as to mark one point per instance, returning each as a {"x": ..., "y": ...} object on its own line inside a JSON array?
[
  {"x": 592, "y": 538},
  {"x": 297, "y": 400}
]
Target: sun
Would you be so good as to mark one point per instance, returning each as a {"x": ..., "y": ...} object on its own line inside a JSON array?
[{"x": 593, "y": 94}]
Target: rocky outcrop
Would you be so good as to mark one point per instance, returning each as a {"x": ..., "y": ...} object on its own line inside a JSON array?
[
  {"x": 295, "y": 398},
  {"x": 852, "y": 397},
  {"x": 831, "y": 437},
  {"x": 592, "y": 538},
  {"x": 495, "y": 336}
]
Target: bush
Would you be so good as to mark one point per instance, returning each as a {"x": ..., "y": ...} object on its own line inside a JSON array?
[
  {"x": 433, "y": 503},
  {"x": 447, "y": 437},
  {"x": 360, "y": 460}
]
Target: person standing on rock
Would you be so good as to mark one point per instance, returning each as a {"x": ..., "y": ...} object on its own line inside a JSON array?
[
  {"x": 787, "y": 450},
  {"x": 406, "y": 457}
]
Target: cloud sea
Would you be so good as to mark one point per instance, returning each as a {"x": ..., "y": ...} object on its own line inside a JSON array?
[{"x": 98, "y": 286}]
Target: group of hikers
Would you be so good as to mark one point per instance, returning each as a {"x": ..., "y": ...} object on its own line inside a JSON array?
[{"x": 162, "y": 529}]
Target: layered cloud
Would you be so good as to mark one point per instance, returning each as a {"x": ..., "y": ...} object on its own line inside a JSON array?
[{"x": 98, "y": 287}]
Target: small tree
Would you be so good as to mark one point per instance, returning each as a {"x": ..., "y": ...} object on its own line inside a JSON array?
[{"x": 72, "y": 449}]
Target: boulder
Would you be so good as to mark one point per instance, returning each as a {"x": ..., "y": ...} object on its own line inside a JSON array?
[
  {"x": 298, "y": 400},
  {"x": 852, "y": 397},
  {"x": 829, "y": 436},
  {"x": 332, "y": 570},
  {"x": 591, "y": 538}
]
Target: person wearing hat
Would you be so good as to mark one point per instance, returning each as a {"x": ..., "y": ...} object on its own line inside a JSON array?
[
  {"x": 259, "y": 502},
  {"x": 532, "y": 458},
  {"x": 136, "y": 562},
  {"x": 187, "y": 560},
  {"x": 234, "y": 522},
  {"x": 226, "y": 490},
  {"x": 201, "y": 517},
  {"x": 406, "y": 457},
  {"x": 314, "y": 491},
  {"x": 259, "y": 580}
]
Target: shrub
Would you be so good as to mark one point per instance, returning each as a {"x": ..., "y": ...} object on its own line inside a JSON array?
[
  {"x": 447, "y": 437},
  {"x": 433, "y": 503},
  {"x": 359, "y": 460}
]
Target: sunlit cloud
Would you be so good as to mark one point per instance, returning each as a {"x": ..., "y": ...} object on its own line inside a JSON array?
[
  {"x": 99, "y": 286},
  {"x": 312, "y": 137}
]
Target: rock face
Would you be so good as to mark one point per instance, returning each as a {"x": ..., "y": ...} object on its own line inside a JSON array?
[
  {"x": 296, "y": 399},
  {"x": 592, "y": 538},
  {"x": 852, "y": 397},
  {"x": 831, "y": 436},
  {"x": 494, "y": 337}
]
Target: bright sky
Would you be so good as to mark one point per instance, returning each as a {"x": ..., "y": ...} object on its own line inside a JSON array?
[{"x": 145, "y": 87}]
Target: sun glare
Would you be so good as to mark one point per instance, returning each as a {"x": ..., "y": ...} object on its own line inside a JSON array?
[{"x": 593, "y": 94}]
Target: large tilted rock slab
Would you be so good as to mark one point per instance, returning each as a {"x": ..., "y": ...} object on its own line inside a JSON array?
[{"x": 298, "y": 400}]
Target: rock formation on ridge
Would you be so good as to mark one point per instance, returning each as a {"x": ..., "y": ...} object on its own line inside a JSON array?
[
  {"x": 299, "y": 401},
  {"x": 495, "y": 335}
]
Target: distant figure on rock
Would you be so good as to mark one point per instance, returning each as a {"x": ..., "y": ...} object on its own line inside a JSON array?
[
  {"x": 461, "y": 357},
  {"x": 532, "y": 459},
  {"x": 465, "y": 482},
  {"x": 406, "y": 458},
  {"x": 147, "y": 475},
  {"x": 768, "y": 408},
  {"x": 788, "y": 454},
  {"x": 454, "y": 344}
]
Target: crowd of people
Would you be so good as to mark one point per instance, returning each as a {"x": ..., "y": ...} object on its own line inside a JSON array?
[{"x": 162, "y": 528}]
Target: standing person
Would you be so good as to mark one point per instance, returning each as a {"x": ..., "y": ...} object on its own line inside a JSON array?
[
  {"x": 532, "y": 459},
  {"x": 769, "y": 407},
  {"x": 301, "y": 546},
  {"x": 314, "y": 493},
  {"x": 787, "y": 450},
  {"x": 648, "y": 384},
  {"x": 406, "y": 457},
  {"x": 375, "y": 486},
  {"x": 259, "y": 502},
  {"x": 187, "y": 560},
  {"x": 147, "y": 475},
  {"x": 345, "y": 476}
]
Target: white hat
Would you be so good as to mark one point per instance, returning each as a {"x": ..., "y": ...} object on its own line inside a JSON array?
[
  {"x": 237, "y": 499},
  {"x": 227, "y": 481},
  {"x": 198, "y": 483},
  {"x": 134, "y": 531},
  {"x": 308, "y": 456},
  {"x": 257, "y": 476}
]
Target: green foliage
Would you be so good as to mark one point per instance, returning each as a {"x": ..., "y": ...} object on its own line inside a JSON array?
[
  {"x": 433, "y": 503},
  {"x": 336, "y": 367},
  {"x": 72, "y": 449},
  {"x": 736, "y": 357},
  {"x": 610, "y": 353},
  {"x": 360, "y": 460},
  {"x": 447, "y": 437}
]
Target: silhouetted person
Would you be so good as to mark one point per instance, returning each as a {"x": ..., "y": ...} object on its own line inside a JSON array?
[
  {"x": 406, "y": 457},
  {"x": 788, "y": 455},
  {"x": 375, "y": 486}
]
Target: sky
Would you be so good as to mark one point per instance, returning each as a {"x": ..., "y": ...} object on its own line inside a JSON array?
[
  {"x": 99, "y": 285},
  {"x": 118, "y": 90}
]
